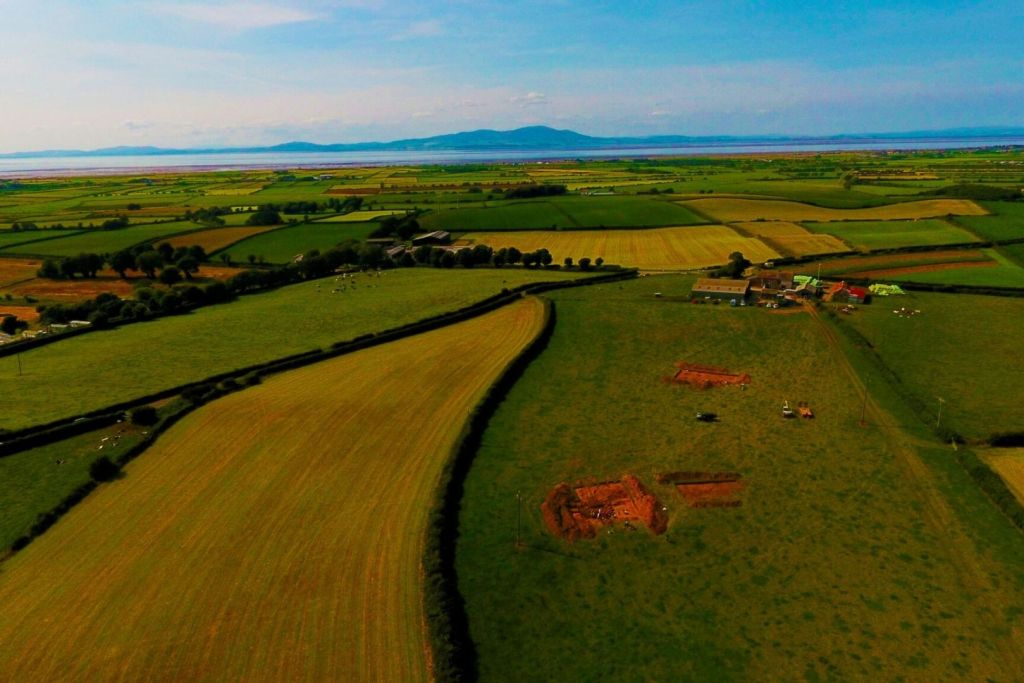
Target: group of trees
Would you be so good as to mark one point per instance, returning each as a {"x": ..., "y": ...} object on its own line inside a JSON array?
[
  {"x": 173, "y": 264},
  {"x": 148, "y": 303},
  {"x": 734, "y": 269},
  {"x": 401, "y": 226},
  {"x": 10, "y": 324},
  {"x": 530, "y": 191}
]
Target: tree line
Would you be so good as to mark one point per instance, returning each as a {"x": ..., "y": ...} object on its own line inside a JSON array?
[{"x": 173, "y": 264}]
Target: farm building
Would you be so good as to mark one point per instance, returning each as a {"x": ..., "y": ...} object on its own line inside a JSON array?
[
  {"x": 437, "y": 237},
  {"x": 771, "y": 279},
  {"x": 395, "y": 252},
  {"x": 710, "y": 288},
  {"x": 841, "y": 291}
]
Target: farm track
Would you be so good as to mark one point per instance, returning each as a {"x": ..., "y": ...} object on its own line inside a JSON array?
[
  {"x": 961, "y": 551},
  {"x": 275, "y": 534}
]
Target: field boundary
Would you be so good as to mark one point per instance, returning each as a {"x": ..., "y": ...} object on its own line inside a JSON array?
[
  {"x": 453, "y": 651},
  {"x": 16, "y": 441}
]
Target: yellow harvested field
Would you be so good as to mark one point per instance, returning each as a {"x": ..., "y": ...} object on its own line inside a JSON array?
[
  {"x": 234, "y": 191},
  {"x": 274, "y": 535},
  {"x": 731, "y": 210},
  {"x": 654, "y": 249},
  {"x": 216, "y": 238},
  {"x": 793, "y": 239},
  {"x": 360, "y": 216},
  {"x": 1009, "y": 464}
]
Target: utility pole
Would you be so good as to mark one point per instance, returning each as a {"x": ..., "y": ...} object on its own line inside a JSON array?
[
  {"x": 19, "y": 363},
  {"x": 519, "y": 517},
  {"x": 938, "y": 420}
]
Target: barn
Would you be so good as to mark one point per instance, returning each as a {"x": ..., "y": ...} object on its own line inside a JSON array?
[
  {"x": 724, "y": 289},
  {"x": 437, "y": 238}
]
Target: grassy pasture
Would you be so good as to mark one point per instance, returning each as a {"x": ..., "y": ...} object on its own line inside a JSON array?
[
  {"x": 9, "y": 238},
  {"x": 216, "y": 239},
  {"x": 791, "y": 238},
  {"x": 833, "y": 568},
  {"x": 735, "y": 210},
  {"x": 869, "y": 235},
  {"x": 103, "y": 241},
  {"x": 999, "y": 271},
  {"x": 652, "y": 249},
  {"x": 562, "y": 212},
  {"x": 962, "y": 347},
  {"x": 284, "y": 244},
  {"x": 360, "y": 216},
  {"x": 66, "y": 291},
  {"x": 237, "y": 548},
  {"x": 856, "y": 265},
  {"x": 105, "y": 367},
  {"x": 1006, "y": 223}
]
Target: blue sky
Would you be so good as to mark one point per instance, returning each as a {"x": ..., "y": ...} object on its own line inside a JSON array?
[{"x": 80, "y": 74}]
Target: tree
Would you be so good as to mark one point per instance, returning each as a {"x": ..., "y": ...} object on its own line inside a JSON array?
[
  {"x": 148, "y": 262},
  {"x": 422, "y": 253},
  {"x": 166, "y": 251},
  {"x": 568, "y": 261},
  {"x": 584, "y": 263},
  {"x": 122, "y": 261},
  {"x": 89, "y": 264},
  {"x": 9, "y": 324},
  {"x": 447, "y": 259},
  {"x": 170, "y": 275},
  {"x": 267, "y": 215},
  {"x": 544, "y": 257},
  {"x": 144, "y": 416},
  {"x": 189, "y": 266},
  {"x": 49, "y": 270},
  {"x": 514, "y": 255},
  {"x": 466, "y": 258},
  {"x": 406, "y": 260},
  {"x": 599, "y": 262},
  {"x": 225, "y": 258},
  {"x": 104, "y": 469}
]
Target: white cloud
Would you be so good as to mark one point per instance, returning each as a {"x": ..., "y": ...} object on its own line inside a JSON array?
[
  {"x": 237, "y": 15},
  {"x": 530, "y": 99},
  {"x": 427, "y": 28}
]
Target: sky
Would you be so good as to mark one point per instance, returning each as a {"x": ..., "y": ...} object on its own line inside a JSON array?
[{"x": 83, "y": 74}]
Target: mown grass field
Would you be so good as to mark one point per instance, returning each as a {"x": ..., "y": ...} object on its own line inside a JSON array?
[
  {"x": 216, "y": 239},
  {"x": 651, "y": 249},
  {"x": 1008, "y": 464},
  {"x": 11, "y": 238},
  {"x": 359, "y": 216},
  {"x": 963, "y": 348},
  {"x": 734, "y": 209},
  {"x": 284, "y": 244},
  {"x": 999, "y": 271},
  {"x": 103, "y": 241},
  {"x": 106, "y": 367},
  {"x": 899, "y": 262},
  {"x": 792, "y": 238},
  {"x": 562, "y": 212},
  {"x": 870, "y": 235},
  {"x": 247, "y": 544},
  {"x": 844, "y": 562}
]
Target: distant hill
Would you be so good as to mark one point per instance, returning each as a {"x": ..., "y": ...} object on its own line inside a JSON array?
[{"x": 531, "y": 137}]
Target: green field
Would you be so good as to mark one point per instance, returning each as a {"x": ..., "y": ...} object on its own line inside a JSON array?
[
  {"x": 870, "y": 235},
  {"x": 247, "y": 546},
  {"x": 562, "y": 212},
  {"x": 844, "y": 562},
  {"x": 9, "y": 238},
  {"x": 103, "y": 241},
  {"x": 102, "y": 368},
  {"x": 1006, "y": 224},
  {"x": 1005, "y": 273},
  {"x": 963, "y": 348},
  {"x": 284, "y": 244}
]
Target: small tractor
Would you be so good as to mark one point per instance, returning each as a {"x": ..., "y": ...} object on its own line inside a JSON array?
[{"x": 804, "y": 410}]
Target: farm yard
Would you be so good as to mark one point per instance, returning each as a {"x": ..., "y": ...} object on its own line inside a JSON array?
[
  {"x": 228, "y": 540},
  {"x": 736, "y": 209},
  {"x": 81, "y": 374},
  {"x": 829, "y": 536},
  {"x": 650, "y": 249}
]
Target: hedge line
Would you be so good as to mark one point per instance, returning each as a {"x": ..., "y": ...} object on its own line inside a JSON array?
[
  {"x": 39, "y": 435},
  {"x": 993, "y": 486},
  {"x": 454, "y": 655}
]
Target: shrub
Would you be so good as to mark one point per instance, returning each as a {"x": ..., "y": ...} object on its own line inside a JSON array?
[
  {"x": 103, "y": 469},
  {"x": 144, "y": 416}
]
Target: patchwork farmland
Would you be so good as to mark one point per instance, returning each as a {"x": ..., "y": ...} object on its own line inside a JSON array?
[
  {"x": 229, "y": 540},
  {"x": 735, "y": 209}
]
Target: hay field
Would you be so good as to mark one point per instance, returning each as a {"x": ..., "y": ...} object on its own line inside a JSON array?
[
  {"x": 651, "y": 249},
  {"x": 735, "y": 210},
  {"x": 791, "y": 238},
  {"x": 360, "y": 216},
  {"x": 105, "y": 367},
  {"x": 868, "y": 235},
  {"x": 16, "y": 270},
  {"x": 276, "y": 534},
  {"x": 216, "y": 239},
  {"x": 1009, "y": 464}
]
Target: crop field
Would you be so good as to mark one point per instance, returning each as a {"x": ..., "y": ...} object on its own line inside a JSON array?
[
  {"x": 934, "y": 260},
  {"x": 360, "y": 216},
  {"x": 650, "y": 249},
  {"x": 996, "y": 270},
  {"x": 562, "y": 212},
  {"x": 1005, "y": 223},
  {"x": 10, "y": 238},
  {"x": 66, "y": 291},
  {"x": 962, "y": 348},
  {"x": 14, "y": 270},
  {"x": 216, "y": 239},
  {"x": 103, "y": 241},
  {"x": 869, "y": 235},
  {"x": 791, "y": 238},
  {"x": 839, "y": 556},
  {"x": 28, "y": 313},
  {"x": 734, "y": 210},
  {"x": 284, "y": 244},
  {"x": 237, "y": 549},
  {"x": 105, "y": 367},
  {"x": 1009, "y": 464}
]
